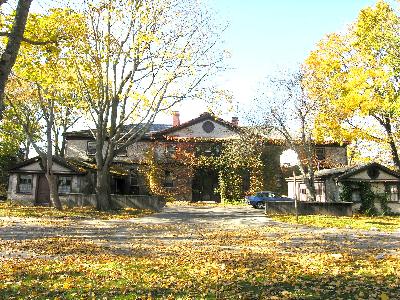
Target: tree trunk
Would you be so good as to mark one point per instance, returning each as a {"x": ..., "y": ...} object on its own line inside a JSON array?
[
  {"x": 26, "y": 150},
  {"x": 54, "y": 197},
  {"x": 51, "y": 178},
  {"x": 392, "y": 143},
  {"x": 10, "y": 53},
  {"x": 103, "y": 191}
]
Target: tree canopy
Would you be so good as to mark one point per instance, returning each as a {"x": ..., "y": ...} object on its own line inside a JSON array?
[{"x": 354, "y": 78}]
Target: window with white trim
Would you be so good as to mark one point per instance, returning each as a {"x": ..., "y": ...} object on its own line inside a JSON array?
[{"x": 25, "y": 183}]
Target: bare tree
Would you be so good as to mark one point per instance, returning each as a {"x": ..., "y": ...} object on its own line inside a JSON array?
[
  {"x": 288, "y": 113},
  {"x": 140, "y": 58}
]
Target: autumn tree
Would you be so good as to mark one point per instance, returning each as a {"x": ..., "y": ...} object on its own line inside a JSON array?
[
  {"x": 42, "y": 90},
  {"x": 140, "y": 58},
  {"x": 354, "y": 77},
  {"x": 283, "y": 110}
]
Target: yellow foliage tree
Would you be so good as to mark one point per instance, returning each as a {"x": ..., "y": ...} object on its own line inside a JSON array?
[
  {"x": 354, "y": 78},
  {"x": 42, "y": 90}
]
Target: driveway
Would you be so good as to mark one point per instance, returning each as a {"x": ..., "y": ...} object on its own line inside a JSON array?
[{"x": 195, "y": 224}]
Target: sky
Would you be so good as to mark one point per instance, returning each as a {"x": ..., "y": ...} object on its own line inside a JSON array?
[{"x": 265, "y": 36}]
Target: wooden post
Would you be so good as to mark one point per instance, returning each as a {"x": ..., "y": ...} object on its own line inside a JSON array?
[{"x": 295, "y": 197}]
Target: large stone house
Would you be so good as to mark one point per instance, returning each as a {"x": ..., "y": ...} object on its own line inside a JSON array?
[{"x": 159, "y": 148}]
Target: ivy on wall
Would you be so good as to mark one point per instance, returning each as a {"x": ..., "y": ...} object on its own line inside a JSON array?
[
  {"x": 232, "y": 160},
  {"x": 367, "y": 197}
]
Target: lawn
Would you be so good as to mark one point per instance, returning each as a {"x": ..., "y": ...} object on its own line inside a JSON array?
[
  {"x": 120, "y": 259},
  {"x": 381, "y": 223}
]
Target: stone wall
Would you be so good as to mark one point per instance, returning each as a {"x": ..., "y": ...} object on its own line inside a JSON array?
[
  {"x": 310, "y": 208},
  {"x": 394, "y": 207},
  {"x": 117, "y": 201}
]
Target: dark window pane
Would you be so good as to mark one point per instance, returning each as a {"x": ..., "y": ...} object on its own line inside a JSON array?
[
  {"x": 320, "y": 153},
  {"x": 64, "y": 184},
  {"x": 91, "y": 148}
]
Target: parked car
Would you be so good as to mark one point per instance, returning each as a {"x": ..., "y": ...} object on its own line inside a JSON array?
[{"x": 259, "y": 199}]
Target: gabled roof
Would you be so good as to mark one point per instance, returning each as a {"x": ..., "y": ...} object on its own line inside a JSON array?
[
  {"x": 346, "y": 172},
  {"x": 203, "y": 117},
  {"x": 58, "y": 160}
]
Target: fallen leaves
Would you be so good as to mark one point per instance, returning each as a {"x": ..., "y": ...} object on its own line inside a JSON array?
[
  {"x": 9, "y": 210},
  {"x": 125, "y": 260}
]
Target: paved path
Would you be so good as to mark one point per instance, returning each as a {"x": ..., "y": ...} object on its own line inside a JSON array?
[{"x": 193, "y": 224}]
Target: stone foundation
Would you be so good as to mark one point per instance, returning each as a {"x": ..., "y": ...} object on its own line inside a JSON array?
[
  {"x": 310, "y": 208},
  {"x": 117, "y": 201}
]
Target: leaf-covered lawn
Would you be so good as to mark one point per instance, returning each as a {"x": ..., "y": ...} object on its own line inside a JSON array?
[
  {"x": 382, "y": 223},
  {"x": 121, "y": 259},
  {"x": 9, "y": 210}
]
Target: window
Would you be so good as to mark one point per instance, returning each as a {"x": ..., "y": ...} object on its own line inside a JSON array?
[
  {"x": 170, "y": 149},
  {"x": 64, "y": 184},
  {"x": 393, "y": 191},
  {"x": 320, "y": 153},
  {"x": 25, "y": 184},
  {"x": 208, "y": 126},
  {"x": 168, "y": 179},
  {"x": 91, "y": 148},
  {"x": 134, "y": 182}
]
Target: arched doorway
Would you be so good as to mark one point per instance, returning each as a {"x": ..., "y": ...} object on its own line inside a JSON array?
[{"x": 204, "y": 185}]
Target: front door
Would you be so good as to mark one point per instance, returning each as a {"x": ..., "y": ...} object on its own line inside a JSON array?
[
  {"x": 205, "y": 182},
  {"x": 43, "y": 191}
]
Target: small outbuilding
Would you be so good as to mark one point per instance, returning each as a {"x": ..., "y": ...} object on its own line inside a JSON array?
[
  {"x": 331, "y": 183},
  {"x": 28, "y": 184}
]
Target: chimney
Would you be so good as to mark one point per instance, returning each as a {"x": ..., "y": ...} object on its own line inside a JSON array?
[
  {"x": 235, "y": 121},
  {"x": 175, "y": 118}
]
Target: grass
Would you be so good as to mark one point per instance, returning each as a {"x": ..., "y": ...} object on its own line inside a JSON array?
[
  {"x": 382, "y": 223},
  {"x": 10, "y": 210}
]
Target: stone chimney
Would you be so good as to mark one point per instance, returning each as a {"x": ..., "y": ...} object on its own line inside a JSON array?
[
  {"x": 175, "y": 118},
  {"x": 235, "y": 121}
]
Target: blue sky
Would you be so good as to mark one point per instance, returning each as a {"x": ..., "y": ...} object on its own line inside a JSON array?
[{"x": 264, "y": 36}]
